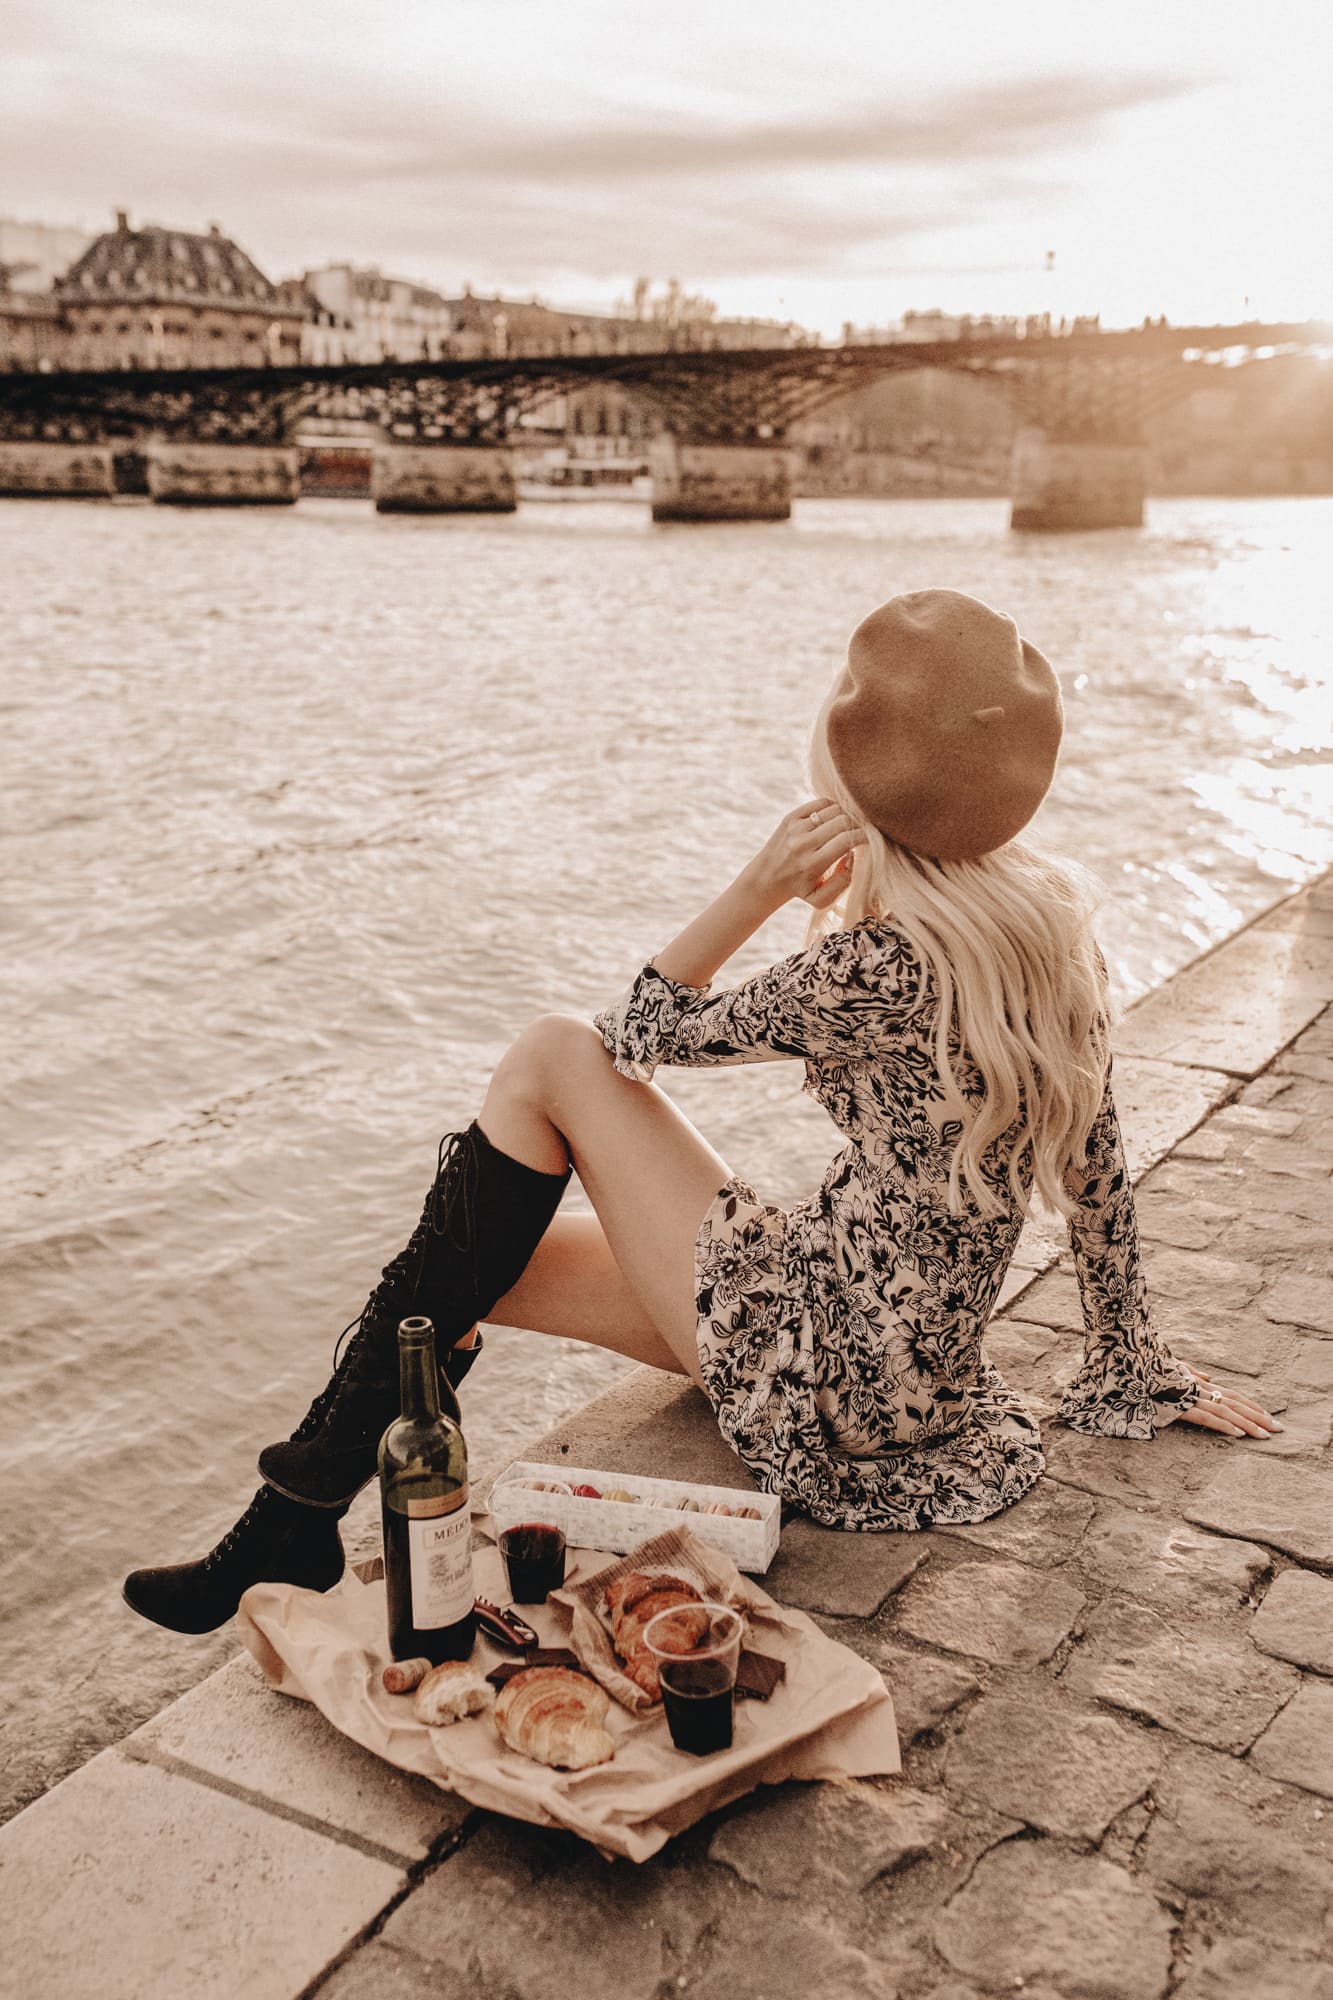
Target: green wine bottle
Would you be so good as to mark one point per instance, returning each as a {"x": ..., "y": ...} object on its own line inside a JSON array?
[{"x": 425, "y": 1512}]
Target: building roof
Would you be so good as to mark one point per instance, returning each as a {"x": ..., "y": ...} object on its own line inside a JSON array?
[{"x": 167, "y": 267}]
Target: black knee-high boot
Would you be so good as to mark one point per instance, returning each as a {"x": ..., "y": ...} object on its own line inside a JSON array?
[
  {"x": 276, "y": 1540},
  {"x": 484, "y": 1216}
]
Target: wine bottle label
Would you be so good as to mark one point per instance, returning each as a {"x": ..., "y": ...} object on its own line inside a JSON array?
[
  {"x": 439, "y": 1553},
  {"x": 439, "y": 1503}
]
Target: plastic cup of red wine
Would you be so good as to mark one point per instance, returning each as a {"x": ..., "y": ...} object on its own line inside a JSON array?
[
  {"x": 699, "y": 1685},
  {"x": 534, "y": 1558},
  {"x": 533, "y": 1547}
]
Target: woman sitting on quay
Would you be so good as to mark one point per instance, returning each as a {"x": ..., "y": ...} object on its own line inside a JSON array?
[{"x": 951, "y": 1012}]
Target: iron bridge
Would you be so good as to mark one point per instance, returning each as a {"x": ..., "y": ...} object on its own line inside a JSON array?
[{"x": 1096, "y": 387}]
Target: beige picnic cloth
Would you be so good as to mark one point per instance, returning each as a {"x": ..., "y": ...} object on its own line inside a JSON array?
[{"x": 831, "y": 1717}]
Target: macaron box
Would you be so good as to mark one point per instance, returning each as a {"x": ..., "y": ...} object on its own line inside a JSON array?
[{"x": 618, "y": 1510}]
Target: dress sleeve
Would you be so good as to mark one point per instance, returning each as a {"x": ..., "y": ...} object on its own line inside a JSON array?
[
  {"x": 836, "y": 1001},
  {"x": 1130, "y": 1383}
]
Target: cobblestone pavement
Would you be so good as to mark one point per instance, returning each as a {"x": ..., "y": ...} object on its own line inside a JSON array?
[{"x": 1114, "y": 1704}]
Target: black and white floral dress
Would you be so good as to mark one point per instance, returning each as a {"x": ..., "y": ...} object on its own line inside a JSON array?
[{"x": 840, "y": 1341}]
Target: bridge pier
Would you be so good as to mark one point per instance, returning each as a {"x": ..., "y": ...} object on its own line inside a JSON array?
[
  {"x": 1061, "y": 485},
  {"x": 719, "y": 482},
  {"x": 443, "y": 479},
  {"x": 42, "y": 471},
  {"x": 222, "y": 475}
]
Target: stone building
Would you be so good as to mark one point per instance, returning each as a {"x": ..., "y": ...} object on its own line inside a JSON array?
[
  {"x": 32, "y": 256},
  {"x": 32, "y": 331},
  {"x": 167, "y": 298},
  {"x": 361, "y": 315}
]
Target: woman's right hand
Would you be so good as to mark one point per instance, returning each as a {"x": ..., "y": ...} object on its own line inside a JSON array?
[
  {"x": 1227, "y": 1411},
  {"x": 809, "y": 854}
]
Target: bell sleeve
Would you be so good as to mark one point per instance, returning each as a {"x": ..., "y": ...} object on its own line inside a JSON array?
[
  {"x": 835, "y": 1001},
  {"x": 1130, "y": 1383}
]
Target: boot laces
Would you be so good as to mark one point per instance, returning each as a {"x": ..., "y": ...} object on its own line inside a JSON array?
[
  {"x": 450, "y": 1212},
  {"x": 233, "y": 1538}
]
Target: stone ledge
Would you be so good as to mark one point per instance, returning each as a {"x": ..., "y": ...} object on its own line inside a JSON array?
[
  {"x": 128, "y": 1880},
  {"x": 236, "y": 1729},
  {"x": 1235, "y": 1009}
]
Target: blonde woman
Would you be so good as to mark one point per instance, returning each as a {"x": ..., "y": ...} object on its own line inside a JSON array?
[{"x": 950, "y": 1009}]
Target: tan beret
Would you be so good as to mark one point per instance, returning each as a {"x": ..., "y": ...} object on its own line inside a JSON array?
[{"x": 946, "y": 724}]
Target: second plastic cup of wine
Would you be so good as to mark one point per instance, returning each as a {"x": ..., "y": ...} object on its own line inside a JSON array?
[{"x": 699, "y": 1685}]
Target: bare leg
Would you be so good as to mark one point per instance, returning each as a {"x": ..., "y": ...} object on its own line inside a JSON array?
[
  {"x": 574, "y": 1288},
  {"x": 556, "y": 1099}
]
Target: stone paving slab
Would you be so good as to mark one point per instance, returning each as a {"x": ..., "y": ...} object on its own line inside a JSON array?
[
  {"x": 1168, "y": 1565},
  {"x": 1042, "y": 1528},
  {"x": 1312, "y": 1368},
  {"x": 1261, "y": 1882},
  {"x": 1295, "y": 1621},
  {"x": 1224, "y": 1343},
  {"x": 1298, "y": 1744},
  {"x": 1000, "y": 1612},
  {"x": 802, "y": 1575},
  {"x": 1202, "y": 1681},
  {"x": 1158, "y": 1101},
  {"x": 926, "y": 1688},
  {"x": 786, "y": 1841},
  {"x": 521, "y": 1913},
  {"x": 1062, "y": 1769},
  {"x": 128, "y": 1881},
  {"x": 1307, "y": 1424},
  {"x": 1028, "y": 1914},
  {"x": 234, "y": 1727},
  {"x": 1240, "y": 1969},
  {"x": 1289, "y": 1507},
  {"x": 1302, "y": 1300}
]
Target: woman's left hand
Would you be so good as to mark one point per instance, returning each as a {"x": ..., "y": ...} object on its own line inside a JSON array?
[{"x": 1227, "y": 1411}]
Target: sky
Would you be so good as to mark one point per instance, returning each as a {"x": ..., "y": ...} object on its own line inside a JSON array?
[{"x": 821, "y": 163}]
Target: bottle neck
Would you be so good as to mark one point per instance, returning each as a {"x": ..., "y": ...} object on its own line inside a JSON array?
[{"x": 418, "y": 1379}]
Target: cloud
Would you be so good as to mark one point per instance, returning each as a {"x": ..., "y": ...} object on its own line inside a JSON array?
[
  {"x": 307, "y": 154},
  {"x": 1045, "y": 113}
]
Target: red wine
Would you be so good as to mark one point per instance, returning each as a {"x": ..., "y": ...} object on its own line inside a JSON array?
[
  {"x": 426, "y": 1517},
  {"x": 697, "y": 1696},
  {"x": 534, "y": 1560}
]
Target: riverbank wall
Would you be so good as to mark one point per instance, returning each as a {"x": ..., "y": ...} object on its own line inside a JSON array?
[{"x": 1114, "y": 1699}]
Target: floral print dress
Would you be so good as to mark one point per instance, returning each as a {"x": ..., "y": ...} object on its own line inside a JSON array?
[{"x": 840, "y": 1341}]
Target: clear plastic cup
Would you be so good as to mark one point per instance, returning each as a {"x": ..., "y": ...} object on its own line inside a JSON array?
[{"x": 697, "y": 1676}]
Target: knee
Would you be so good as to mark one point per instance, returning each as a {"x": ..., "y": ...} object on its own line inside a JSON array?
[{"x": 549, "y": 1046}]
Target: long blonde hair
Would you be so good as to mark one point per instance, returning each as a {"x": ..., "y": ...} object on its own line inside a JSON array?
[{"x": 1021, "y": 984}]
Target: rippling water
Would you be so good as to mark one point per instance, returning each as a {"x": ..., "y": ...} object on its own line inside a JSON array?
[{"x": 305, "y": 814}]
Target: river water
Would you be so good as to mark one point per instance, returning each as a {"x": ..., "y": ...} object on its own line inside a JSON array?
[{"x": 306, "y": 813}]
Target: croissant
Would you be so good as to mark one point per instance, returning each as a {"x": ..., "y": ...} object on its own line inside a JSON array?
[
  {"x": 555, "y": 1716},
  {"x": 635, "y": 1599},
  {"x": 450, "y": 1692}
]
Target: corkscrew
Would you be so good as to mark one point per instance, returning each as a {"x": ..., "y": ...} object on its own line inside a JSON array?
[{"x": 506, "y": 1628}]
